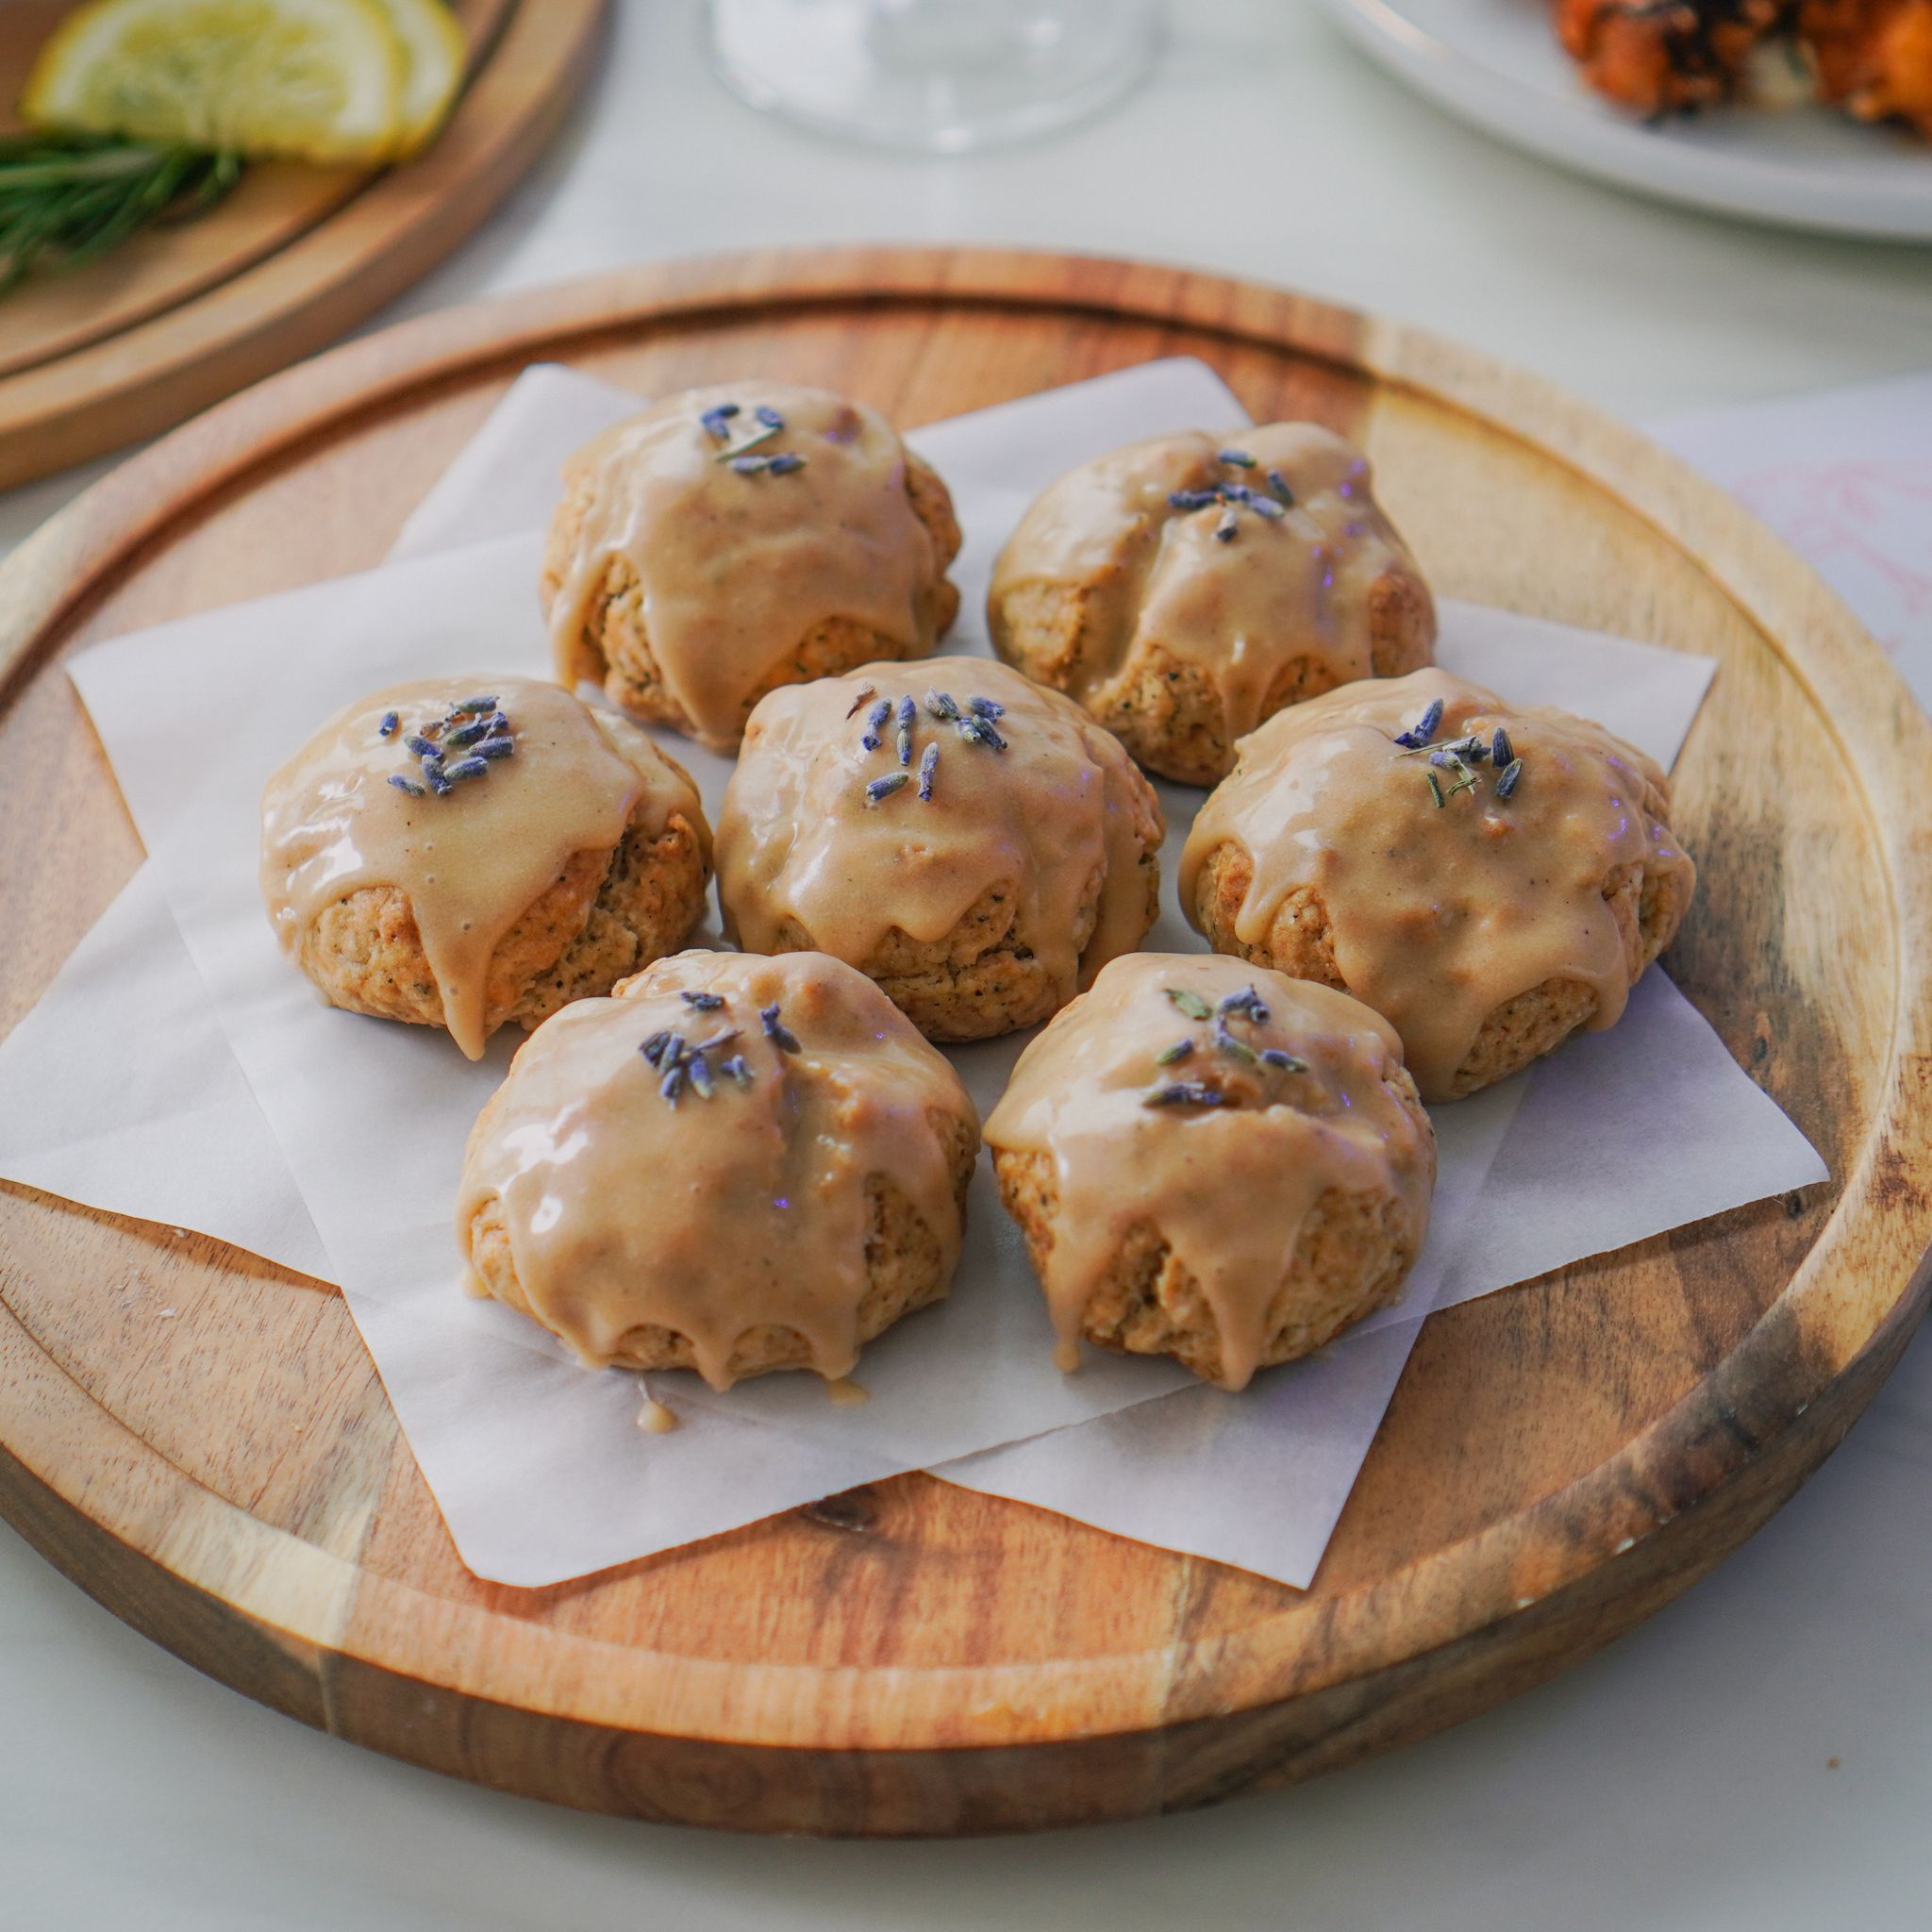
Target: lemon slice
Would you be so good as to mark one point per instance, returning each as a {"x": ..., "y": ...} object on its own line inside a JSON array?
[
  {"x": 320, "y": 79},
  {"x": 436, "y": 56}
]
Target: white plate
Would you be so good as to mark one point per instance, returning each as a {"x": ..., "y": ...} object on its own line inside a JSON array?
[{"x": 1496, "y": 64}]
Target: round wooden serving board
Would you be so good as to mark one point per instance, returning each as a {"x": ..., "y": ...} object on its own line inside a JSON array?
[
  {"x": 201, "y": 1443},
  {"x": 184, "y": 314}
]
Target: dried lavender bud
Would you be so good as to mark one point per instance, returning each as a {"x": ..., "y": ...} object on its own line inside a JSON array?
[
  {"x": 1186, "y": 1093},
  {"x": 387, "y": 728},
  {"x": 1288, "y": 1062},
  {"x": 403, "y": 784}
]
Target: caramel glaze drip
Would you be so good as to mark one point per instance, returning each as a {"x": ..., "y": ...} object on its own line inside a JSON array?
[
  {"x": 716, "y": 1215},
  {"x": 1061, "y": 806},
  {"x": 473, "y": 861},
  {"x": 735, "y": 570},
  {"x": 1279, "y": 588},
  {"x": 1439, "y": 915},
  {"x": 1227, "y": 1186}
]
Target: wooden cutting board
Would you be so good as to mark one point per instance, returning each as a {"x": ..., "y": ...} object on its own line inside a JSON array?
[
  {"x": 182, "y": 316},
  {"x": 200, "y": 1440}
]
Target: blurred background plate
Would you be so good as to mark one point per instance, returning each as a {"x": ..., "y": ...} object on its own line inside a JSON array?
[
  {"x": 180, "y": 316},
  {"x": 1497, "y": 65}
]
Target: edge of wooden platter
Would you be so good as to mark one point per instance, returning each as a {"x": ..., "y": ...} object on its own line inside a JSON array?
[
  {"x": 306, "y": 293},
  {"x": 783, "y": 1747}
]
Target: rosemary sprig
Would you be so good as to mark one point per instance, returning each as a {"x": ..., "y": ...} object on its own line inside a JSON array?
[{"x": 68, "y": 199}]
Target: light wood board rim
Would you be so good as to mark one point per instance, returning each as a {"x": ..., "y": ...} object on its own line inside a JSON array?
[{"x": 1856, "y": 1315}]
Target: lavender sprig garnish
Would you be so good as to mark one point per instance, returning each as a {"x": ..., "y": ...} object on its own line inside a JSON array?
[{"x": 776, "y": 1032}]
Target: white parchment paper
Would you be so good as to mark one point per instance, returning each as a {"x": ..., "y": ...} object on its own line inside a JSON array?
[{"x": 535, "y": 1463}]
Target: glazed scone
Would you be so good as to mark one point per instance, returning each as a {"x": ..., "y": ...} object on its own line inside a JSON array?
[
  {"x": 731, "y": 539},
  {"x": 1187, "y": 587},
  {"x": 1214, "y": 1164},
  {"x": 1488, "y": 879},
  {"x": 974, "y": 842},
  {"x": 733, "y": 1164},
  {"x": 463, "y": 853}
]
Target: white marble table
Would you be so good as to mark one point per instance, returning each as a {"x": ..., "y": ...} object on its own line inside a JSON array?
[{"x": 1760, "y": 1756}]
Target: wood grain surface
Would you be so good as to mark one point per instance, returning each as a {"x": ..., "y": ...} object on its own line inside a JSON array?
[
  {"x": 184, "y": 314},
  {"x": 201, "y": 1442}
]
